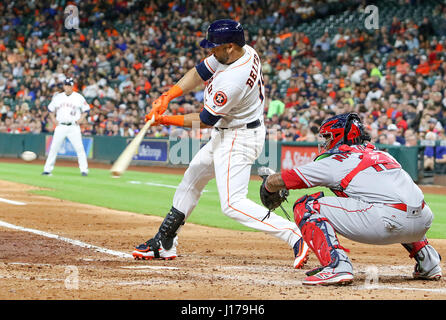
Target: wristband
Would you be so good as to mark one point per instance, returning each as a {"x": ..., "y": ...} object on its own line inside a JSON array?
[
  {"x": 173, "y": 120},
  {"x": 174, "y": 92}
]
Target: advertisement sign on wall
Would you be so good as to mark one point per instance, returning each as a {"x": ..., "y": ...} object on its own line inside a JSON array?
[
  {"x": 152, "y": 151},
  {"x": 67, "y": 149},
  {"x": 295, "y": 156}
]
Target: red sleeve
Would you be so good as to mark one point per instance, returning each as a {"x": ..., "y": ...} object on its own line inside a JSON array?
[{"x": 292, "y": 180}]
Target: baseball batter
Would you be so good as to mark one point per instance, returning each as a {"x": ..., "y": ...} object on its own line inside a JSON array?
[
  {"x": 377, "y": 203},
  {"x": 233, "y": 106},
  {"x": 67, "y": 110}
]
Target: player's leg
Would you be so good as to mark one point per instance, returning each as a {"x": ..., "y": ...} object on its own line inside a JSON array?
[
  {"x": 427, "y": 259},
  {"x": 320, "y": 235},
  {"x": 163, "y": 244},
  {"x": 58, "y": 137},
  {"x": 427, "y": 265},
  {"x": 233, "y": 161},
  {"x": 75, "y": 137}
]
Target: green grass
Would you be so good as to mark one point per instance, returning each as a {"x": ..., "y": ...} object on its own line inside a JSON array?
[{"x": 101, "y": 190}]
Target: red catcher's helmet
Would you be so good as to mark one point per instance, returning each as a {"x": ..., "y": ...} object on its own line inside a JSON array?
[{"x": 341, "y": 129}]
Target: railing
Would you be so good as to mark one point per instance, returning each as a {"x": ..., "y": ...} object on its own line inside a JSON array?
[{"x": 176, "y": 152}]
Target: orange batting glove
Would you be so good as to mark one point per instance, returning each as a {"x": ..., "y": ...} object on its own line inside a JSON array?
[
  {"x": 159, "y": 106},
  {"x": 166, "y": 120}
]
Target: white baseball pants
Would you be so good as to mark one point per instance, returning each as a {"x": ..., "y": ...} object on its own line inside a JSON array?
[
  {"x": 73, "y": 133},
  {"x": 228, "y": 157}
]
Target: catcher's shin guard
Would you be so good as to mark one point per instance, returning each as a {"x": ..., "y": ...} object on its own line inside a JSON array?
[
  {"x": 320, "y": 235},
  {"x": 427, "y": 258}
]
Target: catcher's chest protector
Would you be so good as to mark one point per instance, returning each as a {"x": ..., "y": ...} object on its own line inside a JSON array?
[{"x": 370, "y": 157}]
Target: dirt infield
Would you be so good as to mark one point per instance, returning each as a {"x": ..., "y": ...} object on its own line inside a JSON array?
[{"x": 213, "y": 263}]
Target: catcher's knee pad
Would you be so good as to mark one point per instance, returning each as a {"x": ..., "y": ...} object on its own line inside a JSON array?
[
  {"x": 170, "y": 227},
  {"x": 302, "y": 210}
]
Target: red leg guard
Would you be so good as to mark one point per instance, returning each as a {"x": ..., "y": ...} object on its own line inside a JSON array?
[
  {"x": 417, "y": 246},
  {"x": 300, "y": 207},
  {"x": 316, "y": 240},
  {"x": 311, "y": 231}
]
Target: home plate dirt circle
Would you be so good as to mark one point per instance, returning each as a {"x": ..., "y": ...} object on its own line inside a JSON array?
[{"x": 212, "y": 263}]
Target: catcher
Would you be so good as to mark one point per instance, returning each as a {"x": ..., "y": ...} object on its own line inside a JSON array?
[{"x": 376, "y": 202}]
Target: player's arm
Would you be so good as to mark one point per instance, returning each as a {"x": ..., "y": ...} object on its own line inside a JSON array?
[
  {"x": 82, "y": 118},
  {"x": 53, "y": 118},
  {"x": 192, "y": 79},
  {"x": 52, "y": 111},
  {"x": 85, "y": 110},
  {"x": 275, "y": 182},
  {"x": 204, "y": 119},
  {"x": 312, "y": 174}
]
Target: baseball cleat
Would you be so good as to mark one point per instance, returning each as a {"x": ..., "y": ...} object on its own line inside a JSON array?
[
  {"x": 45, "y": 173},
  {"x": 301, "y": 253},
  {"x": 153, "y": 249},
  {"x": 84, "y": 174},
  {"x": 326, "y": 278},
  {"x": 434, "y": 274}
]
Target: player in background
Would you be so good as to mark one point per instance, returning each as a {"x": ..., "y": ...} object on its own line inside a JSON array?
[
  {"x": 67, "y": 110},
  {"x": 233, "y": 106},
  {"x": 376, "y": 202}
]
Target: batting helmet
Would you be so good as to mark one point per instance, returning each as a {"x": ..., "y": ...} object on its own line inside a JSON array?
[
  {"x": 342, "y": 129},
  {"x": 223, "y": 31}
]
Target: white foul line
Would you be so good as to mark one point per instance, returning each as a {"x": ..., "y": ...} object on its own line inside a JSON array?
[
  {"x": 387, "y": 287},
  {"x": 70, "y": 241},
  {"x": 17, "y": 203},
  {"x": 158, "y": 185},
  {"x": 150, "y": 267}
]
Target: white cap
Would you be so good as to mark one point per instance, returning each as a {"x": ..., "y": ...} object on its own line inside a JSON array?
[{"x": 392, "y": 127}]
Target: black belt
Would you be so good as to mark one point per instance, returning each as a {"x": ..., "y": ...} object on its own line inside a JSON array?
[
  {"x": 67, "y": 123},
  {"x": 251, "y": 125}
]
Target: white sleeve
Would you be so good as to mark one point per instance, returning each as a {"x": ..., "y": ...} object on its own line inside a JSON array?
[
  {"x": 83, "y": 104},
  {"x": 211, "y": 63},
  {"x": 53, "y": 104},
  {"x": 207, "y": 67}
]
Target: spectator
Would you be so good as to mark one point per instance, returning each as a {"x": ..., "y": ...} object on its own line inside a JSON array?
[
  {"x": 434, "y": 154},
  {"x": 276, "y": 107}
]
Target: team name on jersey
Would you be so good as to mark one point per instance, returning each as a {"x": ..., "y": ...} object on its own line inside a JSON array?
[
  {"x": 341, "y": 157},
  {"x": 208, "y": 85},
  {"x": 254, "y": 72}
]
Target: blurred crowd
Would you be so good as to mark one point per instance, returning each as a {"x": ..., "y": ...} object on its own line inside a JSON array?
[{"x": 126, "y": 53}]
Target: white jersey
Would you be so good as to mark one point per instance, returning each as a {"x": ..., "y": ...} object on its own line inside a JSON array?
[
  {"x": 376, "y": 184},
  {"x": 235, "y": 92},
  {"x": 68, "y": 108}
]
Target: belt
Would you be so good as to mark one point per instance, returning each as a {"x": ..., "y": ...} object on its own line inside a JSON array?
[
  {"x": 67, "y": 123},
  {"x": 401, "y": 206},
  {"x": 251, "y": 125}
]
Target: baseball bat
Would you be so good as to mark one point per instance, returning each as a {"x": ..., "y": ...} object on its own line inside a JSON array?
[{"x": 123, "y": 162}]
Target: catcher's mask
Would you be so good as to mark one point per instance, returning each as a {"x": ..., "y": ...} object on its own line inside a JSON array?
[{"x": 341, "y": 129}]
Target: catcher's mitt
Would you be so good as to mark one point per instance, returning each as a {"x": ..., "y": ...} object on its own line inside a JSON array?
[{"x": 271, "y": 200}]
